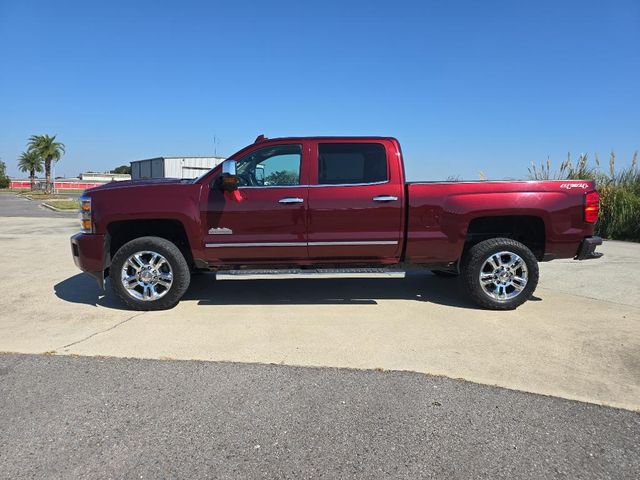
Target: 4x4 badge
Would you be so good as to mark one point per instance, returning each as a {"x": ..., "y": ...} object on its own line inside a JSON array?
[{"x": 569, "y": 186}]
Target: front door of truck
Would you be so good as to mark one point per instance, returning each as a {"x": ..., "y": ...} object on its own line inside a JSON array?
[
  {"x": 355, "y": 202},
  {"x": 265, "y": 219}
]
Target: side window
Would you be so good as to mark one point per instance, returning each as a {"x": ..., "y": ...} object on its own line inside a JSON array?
[
  {"x": 344, "y": 163},
  {"x": 277, "y": 165}
]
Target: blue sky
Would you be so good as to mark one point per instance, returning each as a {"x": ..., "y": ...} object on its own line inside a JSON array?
[{"x": 465, "y": 85}]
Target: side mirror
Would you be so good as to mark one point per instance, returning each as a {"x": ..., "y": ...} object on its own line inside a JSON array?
[{"x": 228, "y": 178}]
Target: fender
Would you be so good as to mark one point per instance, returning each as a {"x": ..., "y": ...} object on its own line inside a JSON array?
[{"x": 174, "y": 201}]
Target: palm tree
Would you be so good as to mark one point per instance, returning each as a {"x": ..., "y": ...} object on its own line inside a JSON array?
[
  {"x": 29, "y": 161},
  {"x": 49, "y": 150}
]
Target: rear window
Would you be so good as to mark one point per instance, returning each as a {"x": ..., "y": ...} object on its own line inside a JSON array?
[{"x": 347, "y": 163}]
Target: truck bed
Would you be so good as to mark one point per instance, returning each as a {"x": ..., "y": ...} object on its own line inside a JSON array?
[{"x": 441, "y": 214}]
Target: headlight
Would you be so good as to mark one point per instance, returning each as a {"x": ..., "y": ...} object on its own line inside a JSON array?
[{"x": 85, "y": 214}]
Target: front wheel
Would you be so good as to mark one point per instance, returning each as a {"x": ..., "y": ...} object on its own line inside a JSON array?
[
  {"x": 149, "y": 273},
  {"x": 500, "y": 273}
]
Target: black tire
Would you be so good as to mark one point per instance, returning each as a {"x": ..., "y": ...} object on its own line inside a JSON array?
[
  {"x": 474, "y": 261},
  {"x": 181, "y": 276},
  {"x": 444, "y": 274}
]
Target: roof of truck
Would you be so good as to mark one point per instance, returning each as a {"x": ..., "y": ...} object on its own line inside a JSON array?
[{"x": 262, "y": 138}]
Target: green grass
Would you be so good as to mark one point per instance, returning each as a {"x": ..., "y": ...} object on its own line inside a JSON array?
[
  {"x": 63, "y": 204},
  {"x": 40, "y": 195},
  {"x": 11, "y": 190}
]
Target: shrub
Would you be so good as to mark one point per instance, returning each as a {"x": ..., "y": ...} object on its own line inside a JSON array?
[{"x": 4, "y": 180}]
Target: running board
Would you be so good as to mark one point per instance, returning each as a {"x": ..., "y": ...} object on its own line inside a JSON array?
[{"x": 310, "y": 272}]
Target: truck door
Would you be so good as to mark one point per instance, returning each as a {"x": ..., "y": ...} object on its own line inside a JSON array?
[
  {"x": 355, "y": 202},
  {"x": 265, "y": 219}
]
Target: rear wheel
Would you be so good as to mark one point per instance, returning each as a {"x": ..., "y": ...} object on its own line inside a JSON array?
[
  {"x": 149, "y": 273},
  {"x": 500, "y": 273}
]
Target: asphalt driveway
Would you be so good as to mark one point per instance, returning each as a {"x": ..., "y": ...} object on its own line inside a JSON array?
[
  {"x": 81, "y": 417},
  {"x": 15, "y": 206}
]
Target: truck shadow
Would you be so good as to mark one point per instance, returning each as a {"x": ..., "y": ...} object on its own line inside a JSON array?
[
  {"x": 82, "y": 288},
  {"x": 420, "y": 287}
]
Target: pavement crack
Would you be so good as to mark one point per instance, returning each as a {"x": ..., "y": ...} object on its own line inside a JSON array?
[{"x": 102, "y": 331}]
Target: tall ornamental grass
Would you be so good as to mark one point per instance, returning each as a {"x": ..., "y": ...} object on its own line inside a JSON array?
[{"x": 619, "y": 192}]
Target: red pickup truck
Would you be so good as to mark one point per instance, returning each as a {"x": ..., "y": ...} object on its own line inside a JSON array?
[{"x": 330, "y": 202}]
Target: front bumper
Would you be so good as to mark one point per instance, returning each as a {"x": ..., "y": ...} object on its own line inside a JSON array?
[
  {"x": 88, "y": 252},
  {"x": 587, "y": 249}
]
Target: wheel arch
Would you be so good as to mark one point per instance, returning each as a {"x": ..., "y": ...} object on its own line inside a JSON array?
[
  {"x": 123, "y": 231},
  {"x": 526, "y": 229}
]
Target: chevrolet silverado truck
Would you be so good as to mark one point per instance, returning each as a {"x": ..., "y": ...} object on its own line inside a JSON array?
[{"x": 330, "y": 202}]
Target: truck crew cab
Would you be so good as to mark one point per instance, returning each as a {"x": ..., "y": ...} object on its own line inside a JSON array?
[{"x": 317, "y": 202}]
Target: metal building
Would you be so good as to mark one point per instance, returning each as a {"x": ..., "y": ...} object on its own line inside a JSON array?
[
  {"x": 173, "y": 167},
  {"x": 104, "y": 177}
]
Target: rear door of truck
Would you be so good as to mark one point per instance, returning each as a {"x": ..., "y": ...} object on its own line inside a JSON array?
[{"x": 356, "y": 198}]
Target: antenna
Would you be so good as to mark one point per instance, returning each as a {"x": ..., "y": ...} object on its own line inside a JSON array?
[{"x": 215, "y": 146}]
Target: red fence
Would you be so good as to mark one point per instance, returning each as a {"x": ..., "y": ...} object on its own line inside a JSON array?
[{"x": 58, "y": 185}]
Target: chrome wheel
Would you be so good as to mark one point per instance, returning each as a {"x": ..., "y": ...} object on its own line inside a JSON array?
[
  {"x": 503, "y": 276},
  {"x": 147, "y": 276}
]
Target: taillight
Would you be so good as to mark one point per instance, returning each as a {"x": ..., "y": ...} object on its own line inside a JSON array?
[{"x": 591, "y": 207}]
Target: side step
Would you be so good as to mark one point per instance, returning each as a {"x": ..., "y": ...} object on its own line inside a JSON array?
[{"x": 311, "y": 273}]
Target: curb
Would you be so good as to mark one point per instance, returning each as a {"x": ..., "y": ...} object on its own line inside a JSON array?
[{"x": 55, "y": 209}]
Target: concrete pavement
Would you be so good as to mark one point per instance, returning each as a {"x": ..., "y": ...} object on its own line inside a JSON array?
[
  {"x": 578, "y": 339},
  {"x": 614, "y": 279}
]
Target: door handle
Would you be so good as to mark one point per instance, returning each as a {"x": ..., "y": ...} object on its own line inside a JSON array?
[
  {"x": 291, "y": 200},
  {"x": 385, "y": 198}
]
